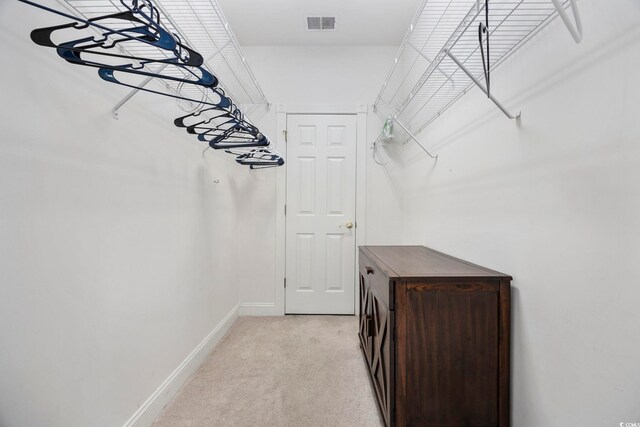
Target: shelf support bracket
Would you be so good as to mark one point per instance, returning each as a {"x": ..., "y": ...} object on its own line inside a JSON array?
[
  {"x": 575, "y": 30},
  {"x": 134, "y": 91},
  {"x": 148, "y": 79},
  {"x": 395, "y": 119},
  {"x": 477, "y": 82}
]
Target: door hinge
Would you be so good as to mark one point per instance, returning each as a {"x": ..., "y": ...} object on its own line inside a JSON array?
[
  {"x": 285, "y": 209},
  {"x": 285, "y": 282},
  {"x": 285, "y": 135}
]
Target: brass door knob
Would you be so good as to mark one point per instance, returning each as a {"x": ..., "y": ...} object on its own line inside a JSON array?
[{"x": 349, "y": 225}]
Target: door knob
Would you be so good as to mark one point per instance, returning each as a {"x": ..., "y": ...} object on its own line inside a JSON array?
[{"x": 348, "y": 224}]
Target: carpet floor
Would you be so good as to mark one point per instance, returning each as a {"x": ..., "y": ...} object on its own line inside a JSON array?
[{"x": 279, "y": 371}]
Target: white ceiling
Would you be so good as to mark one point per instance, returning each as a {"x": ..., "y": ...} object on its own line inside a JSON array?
[{"x": 283, "y": 22}]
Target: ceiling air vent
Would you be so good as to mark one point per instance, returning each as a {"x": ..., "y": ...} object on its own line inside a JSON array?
[{"x": 320, "y": 23}]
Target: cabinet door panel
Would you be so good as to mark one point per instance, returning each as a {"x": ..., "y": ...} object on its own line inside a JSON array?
[
  {"x": 451, "y": 357},
  {"x": 381, "y": 363},
  {"x": 366, "y": 320}
]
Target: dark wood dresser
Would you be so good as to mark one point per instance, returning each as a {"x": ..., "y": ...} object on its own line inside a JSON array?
[{"x": 434, "y": 331}]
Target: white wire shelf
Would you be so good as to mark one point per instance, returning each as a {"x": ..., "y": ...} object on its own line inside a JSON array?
[
  {"x": 201, "y": 25},
  {"x": 440, "y": 55}
]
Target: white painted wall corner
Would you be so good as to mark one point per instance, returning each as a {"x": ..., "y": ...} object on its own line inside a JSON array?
[{"x": 153, "y": 406}]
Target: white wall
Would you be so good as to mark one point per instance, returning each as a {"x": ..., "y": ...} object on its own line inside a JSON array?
[
  {"x": 312, "y": 75},
  {"x": 320, "y": 74},
  {"x": 554, "y": 201},
  {"x": 119, "y": 254},
  {"x": 117, "y": 250}
]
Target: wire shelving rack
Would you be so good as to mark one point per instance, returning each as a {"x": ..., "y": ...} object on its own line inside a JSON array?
[
  {"x": 440, "y": 58},
  {"x": 201, "y": 25}
]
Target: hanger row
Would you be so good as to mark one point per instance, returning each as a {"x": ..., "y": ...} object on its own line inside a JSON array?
[{"x": 104, "y": 42}]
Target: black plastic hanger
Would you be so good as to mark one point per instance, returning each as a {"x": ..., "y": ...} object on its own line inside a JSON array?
[
  {"x": 186, "y": 62},
  {"x": 124, "y": 37},
  {"x": 223, "y": 126},
  {"x": 258, "y": 159},
  {"x": 160, "y": 37},
  {"x": 219, "y": 123},
  {"x": 209, "y": 115},
  {"x": 193, "y": 75},
  {"x": 234, "y": 138},
  {"x": 111, "y": 75},
  {"x": 483, "y": 29},
  {"x": 225, "y": 129}
]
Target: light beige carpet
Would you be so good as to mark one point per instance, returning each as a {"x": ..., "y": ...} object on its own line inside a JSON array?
[{"x": 280, "y": 371}]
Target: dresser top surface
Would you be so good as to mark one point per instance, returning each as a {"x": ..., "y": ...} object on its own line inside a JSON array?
[{"x": 420, "y": 261}]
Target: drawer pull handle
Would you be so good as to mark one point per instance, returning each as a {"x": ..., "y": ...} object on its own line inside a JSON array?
[{"x": 369, "y": 270}]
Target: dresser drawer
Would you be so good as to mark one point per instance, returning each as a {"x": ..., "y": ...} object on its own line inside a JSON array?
[{"x": 377, "y": 279}]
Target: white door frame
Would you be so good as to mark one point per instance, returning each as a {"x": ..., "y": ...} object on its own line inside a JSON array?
[{"x": 360, "y": 111}]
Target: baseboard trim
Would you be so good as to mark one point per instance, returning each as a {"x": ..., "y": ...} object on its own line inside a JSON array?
[
  {"x": 149, "y": 410},
  {"x": 260, "y": 309}
]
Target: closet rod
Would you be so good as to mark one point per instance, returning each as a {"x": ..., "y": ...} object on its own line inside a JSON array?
[{"x": 477, "y": 82}]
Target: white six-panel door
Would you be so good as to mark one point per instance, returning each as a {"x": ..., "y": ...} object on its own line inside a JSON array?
[{"x": 320, "y": 214}]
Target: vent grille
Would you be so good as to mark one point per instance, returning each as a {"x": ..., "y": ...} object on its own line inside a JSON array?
[
  {"x": 314, "y": 23},
  {"x": 321, "y": 23},
  {"x": 328, "y": 23}
]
